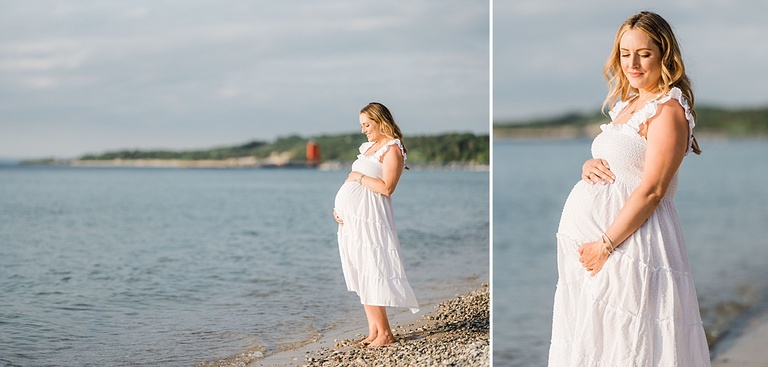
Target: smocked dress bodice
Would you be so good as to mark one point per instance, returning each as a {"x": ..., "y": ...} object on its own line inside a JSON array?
[
  {"x": 370, "y": 165},
  {"x": 624, "y": 148}
]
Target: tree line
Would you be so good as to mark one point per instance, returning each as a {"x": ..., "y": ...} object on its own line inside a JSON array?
[
  {"x": 751, "y": 122},
  {"x": 443, "y": 148}
]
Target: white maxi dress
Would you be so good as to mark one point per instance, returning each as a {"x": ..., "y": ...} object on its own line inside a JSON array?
[
  {"x": 368, "y": 242},
  {"x": 641, "y": 308}
]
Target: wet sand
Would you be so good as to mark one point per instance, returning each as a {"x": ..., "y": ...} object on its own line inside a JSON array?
[
  {"x": 749, "y": 348},
  {"x": 455, "y": 333}
]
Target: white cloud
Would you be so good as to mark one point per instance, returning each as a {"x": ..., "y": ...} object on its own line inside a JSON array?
[{"x": 230, "y": 71}]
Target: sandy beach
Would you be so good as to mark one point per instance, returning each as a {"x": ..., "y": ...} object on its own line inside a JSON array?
[
  {"x": 454, "y": 333},
  {"x": 749, "y": 348}
]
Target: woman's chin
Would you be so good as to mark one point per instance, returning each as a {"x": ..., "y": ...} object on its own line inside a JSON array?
[{"x": 641, "y": 85}]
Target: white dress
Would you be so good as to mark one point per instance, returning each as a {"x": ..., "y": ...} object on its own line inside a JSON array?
[
  {"x": 368, "y": 242},
  {"x": 641, "y": 308}
]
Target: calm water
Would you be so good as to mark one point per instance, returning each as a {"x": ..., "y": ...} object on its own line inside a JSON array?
[
  {"x": 721, "y": 201},
  {"x": 174, "y": 267}
]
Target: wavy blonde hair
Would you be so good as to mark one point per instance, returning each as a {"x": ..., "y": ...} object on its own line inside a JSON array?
[
  {"x": 387, "y": 125},
  {"x": 672, "y": 66}
]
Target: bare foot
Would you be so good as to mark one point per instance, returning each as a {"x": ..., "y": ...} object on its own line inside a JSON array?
[
  {"x": 382, "y": 341},
  {"x": 370, "y": 339}
]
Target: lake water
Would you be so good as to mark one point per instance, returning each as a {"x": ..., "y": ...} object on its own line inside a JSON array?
[
  {"x": 722, "y": 202},
  {"x": 176, "y": 267}
]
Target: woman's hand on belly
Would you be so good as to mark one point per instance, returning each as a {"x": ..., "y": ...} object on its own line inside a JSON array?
[
  {"x": 354, "y": 177},
  {"x": 337, "y": 218},
  {"x": 597, "y": 171},
  {"x": 592, "y": 256}
]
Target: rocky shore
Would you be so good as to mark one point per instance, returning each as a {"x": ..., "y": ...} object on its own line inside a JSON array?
[{"x": 456, "y": 333}]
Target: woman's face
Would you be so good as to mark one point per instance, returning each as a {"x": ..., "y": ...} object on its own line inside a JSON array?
[
  {"x": 640, "y": 60},
  {"x": 370, "y": 128}
]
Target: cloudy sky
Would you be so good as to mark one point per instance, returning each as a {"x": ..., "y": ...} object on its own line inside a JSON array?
[
  {"x": 82, "y": 77},
  {"x": 548, "y": 55}
]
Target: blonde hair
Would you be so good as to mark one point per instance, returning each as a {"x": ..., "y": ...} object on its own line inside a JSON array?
[
  {"x": 672, "y": 66},
  {"x": 387, "y": 125}
]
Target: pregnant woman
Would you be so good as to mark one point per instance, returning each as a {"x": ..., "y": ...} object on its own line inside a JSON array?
[
  {"x": 368, "y": 242},
  {"x": 625, "y": 294}
]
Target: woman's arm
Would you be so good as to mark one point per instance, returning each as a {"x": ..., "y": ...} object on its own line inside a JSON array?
[
  {"x": 667, "y": 136},
  {"x": 393, "y": 163},
  {"x": 667, "y": 139}
]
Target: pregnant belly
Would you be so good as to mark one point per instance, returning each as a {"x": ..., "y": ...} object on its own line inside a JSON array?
[
  {"x": 349, "y": 197},
  {"x": 589, "y": 210}
]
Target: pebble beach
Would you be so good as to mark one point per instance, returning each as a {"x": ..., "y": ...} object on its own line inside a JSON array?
[{"x": 455, "y": 333}]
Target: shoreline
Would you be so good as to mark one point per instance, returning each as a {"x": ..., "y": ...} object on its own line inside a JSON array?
[
  {"x": 745, "y": 346},
  {"x": 232, "y": 163},
  {"x": 453, "y": 332}
]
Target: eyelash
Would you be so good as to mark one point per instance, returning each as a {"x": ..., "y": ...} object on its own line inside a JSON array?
[{"x": 643, "y": 56}]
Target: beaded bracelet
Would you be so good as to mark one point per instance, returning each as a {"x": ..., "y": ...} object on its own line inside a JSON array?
[{"x": 608, "y": 243}]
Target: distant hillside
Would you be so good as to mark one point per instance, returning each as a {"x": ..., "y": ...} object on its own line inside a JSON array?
[
  {"x": 436, "y": 149},
  {"x": 709, "y": 121},
  {"x": 743, "y": 122}
]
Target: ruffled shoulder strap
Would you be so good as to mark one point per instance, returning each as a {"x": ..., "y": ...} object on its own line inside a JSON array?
[
  {"x": 365, "y": 146},
  {"x": 379, "y": 153},
  {"x": 651, "y": 109},
  {"x": 617, "y": 108}
]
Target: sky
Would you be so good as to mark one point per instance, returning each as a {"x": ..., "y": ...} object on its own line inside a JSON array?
[
  {"x": 548, "y": 55},
  {"x": 92, "y": 76}
]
